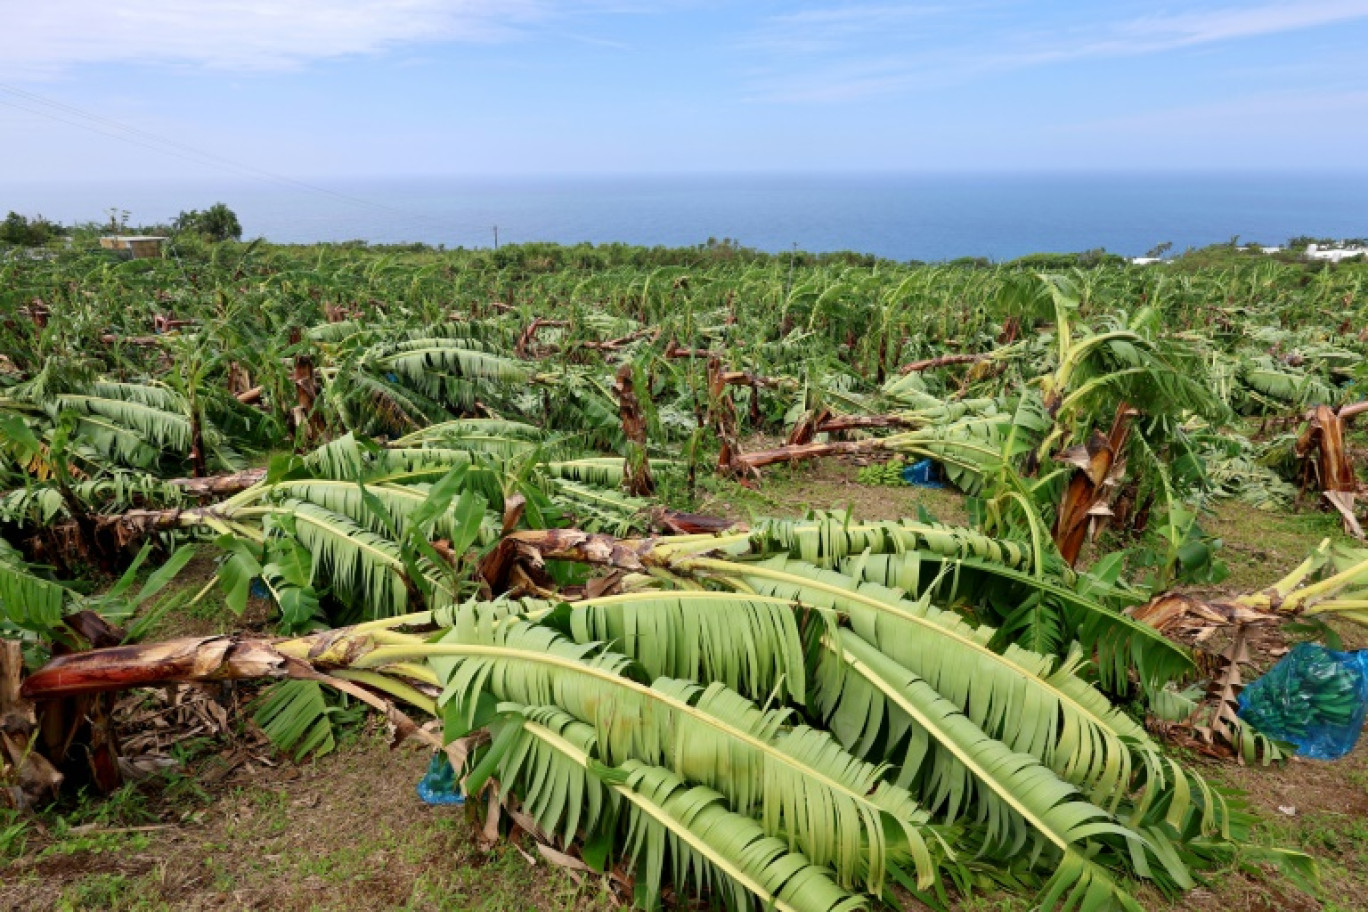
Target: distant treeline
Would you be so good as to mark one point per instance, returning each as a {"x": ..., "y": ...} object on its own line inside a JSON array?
[{"x": 218, "y": 223}]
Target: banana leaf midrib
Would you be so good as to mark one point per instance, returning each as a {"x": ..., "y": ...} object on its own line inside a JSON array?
[
  {"x": 131, "y": 404},
  {"x": 291, "y": 508},
  {"x": 852, "y": 662},
  {"x": 105, "y": 423},
  {"x": 998, "y": 658},
  {"x": 1080, "y": 601},
  {"x": 659, "y": 815},
  {"x": 459, "y": 353},
  {"x": 384, "y": 655},
  {"x": 397, "y": 490}
]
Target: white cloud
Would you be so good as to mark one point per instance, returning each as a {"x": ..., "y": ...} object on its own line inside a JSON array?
[
  {"x": 42, "y": 37},
  {"x": 1160, "y": 32},
  {"x": 864, "y": 50}
]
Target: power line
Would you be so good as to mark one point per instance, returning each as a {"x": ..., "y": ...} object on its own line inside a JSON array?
[
  {"x": 177, "y": 149},
  {"x": 145, "y": 145},
  {"x": 211, "y": 159}
]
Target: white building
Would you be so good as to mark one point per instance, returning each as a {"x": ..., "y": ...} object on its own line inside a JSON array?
[{"x": 1334, "y": 254}]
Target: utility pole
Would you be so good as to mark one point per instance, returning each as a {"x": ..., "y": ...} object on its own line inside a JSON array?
[{"x": 496, "y": 237}]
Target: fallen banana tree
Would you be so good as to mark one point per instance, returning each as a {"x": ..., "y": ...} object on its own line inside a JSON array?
[
  {"x": 378, "y": 527},
  {"x": 1332, "y": 581},
  {"x": 782, "y": 715}
]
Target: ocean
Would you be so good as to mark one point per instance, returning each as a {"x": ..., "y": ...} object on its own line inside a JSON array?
[{"x": 900, "y": 216}]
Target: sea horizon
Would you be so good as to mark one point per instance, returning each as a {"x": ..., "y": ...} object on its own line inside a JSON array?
[{"x": 921, "y": 215}]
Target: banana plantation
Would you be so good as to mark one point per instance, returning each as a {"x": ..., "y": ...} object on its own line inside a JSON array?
[{"x": 466, "y": 490}]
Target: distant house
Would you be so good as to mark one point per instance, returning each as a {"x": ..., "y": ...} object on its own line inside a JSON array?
[
  {"x": 1146, "y": 261},
  {"x": 1334, "y": 254},
  {"x": 139, "y": 247}
]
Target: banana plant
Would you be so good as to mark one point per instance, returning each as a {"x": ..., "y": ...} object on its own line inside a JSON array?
[
  {"x": 365, "y": 529},
  {"x": 857, "y": 734},
  {"x": 135, "y": 425}
]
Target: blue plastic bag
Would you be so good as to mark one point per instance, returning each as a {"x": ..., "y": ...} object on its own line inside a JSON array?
[
  {"x": 1314, "y": 698},
  {"x": 439, "y": 785},
  {"x": 924, "y": 474}
]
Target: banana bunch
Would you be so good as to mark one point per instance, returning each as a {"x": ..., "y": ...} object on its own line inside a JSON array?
[
  {"x": 1308, "y": 692},
  {"x": 888, "y": 474}
]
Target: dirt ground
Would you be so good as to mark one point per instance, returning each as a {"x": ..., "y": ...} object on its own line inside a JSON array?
[{"x": 347, "y": 832}]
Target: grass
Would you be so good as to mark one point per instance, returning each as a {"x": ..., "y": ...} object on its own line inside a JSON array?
[
  {"x": 208, "y": 615},
  {"x": 793, "y": 490},
  {"x": 110, "y": 891},
  {"x": 1260, "y": 547}
]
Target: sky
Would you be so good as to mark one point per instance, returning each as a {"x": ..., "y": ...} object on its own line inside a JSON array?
[{"x": 322, "y": 89}]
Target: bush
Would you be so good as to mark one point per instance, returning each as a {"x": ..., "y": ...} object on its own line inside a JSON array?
[
  {"x": 217, "y": 223},
  {"x": 1085, "y": 259}
]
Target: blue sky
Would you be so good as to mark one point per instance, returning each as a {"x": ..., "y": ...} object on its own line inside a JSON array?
[{"x": 332, "y": 88}]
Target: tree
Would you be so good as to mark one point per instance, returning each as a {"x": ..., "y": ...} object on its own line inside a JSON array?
[
  {"x": 19, "y": 230},
  {"x": 217, "y": 223}
]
